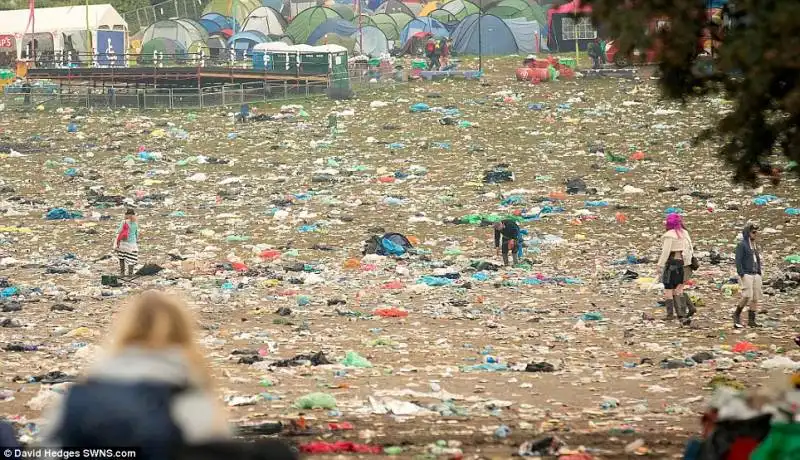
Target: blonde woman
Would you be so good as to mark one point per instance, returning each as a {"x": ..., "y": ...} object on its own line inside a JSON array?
[{"x": 153, "y": 391}]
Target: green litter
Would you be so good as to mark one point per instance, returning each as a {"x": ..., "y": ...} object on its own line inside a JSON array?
[
  {"x": 724, "y": 381},
  {"x": 792, "y": 259},
  {"x": 266, "y": 383},
  {"x": 383, "y": 342},
  {"x": 236, "y": 238},
  {"x": 291, "y": 253},
  {"x": 477, "y": 219},
  {"x": 592, "y": 316},
  {"x": 615, "y": 158},
  {"x": 316, "y": 401},
  {"x": 177, "y": 214},
  {"x": 392, "y": 450},
  {"x": 353, "y": 359},
  {"x": 453, "y": 252}
]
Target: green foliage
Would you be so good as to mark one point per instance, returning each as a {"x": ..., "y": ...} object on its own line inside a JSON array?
[{"x": 756, "y": 66}]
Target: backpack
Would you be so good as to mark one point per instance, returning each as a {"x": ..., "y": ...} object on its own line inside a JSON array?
[{"x": 104, "y": 414}]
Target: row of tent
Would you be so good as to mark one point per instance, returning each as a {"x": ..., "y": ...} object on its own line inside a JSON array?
[{"x": 507, "y": 26}]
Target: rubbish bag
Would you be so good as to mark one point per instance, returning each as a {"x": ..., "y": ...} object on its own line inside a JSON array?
[
  {"x": 389, "y": 244},
  {"x": 316, "y": 401},
  {"x": 353, "y": 359}
]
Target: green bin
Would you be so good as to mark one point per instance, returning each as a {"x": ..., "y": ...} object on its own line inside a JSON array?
[
  {"x": 419, "y": 64},
  {"x": 569, "y": 62}
]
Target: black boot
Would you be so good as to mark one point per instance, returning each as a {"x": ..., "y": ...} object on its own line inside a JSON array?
[
  {"x": 689, "y": 305},
  {"x": 680, "y": 307},
  {"x": 122, "y": 267},
  {"x": 751, "y": 319},
  {"x": 737, "y": 318},
  {"x": 130, "y": 270},
  {"x": 670, "y": 304}
]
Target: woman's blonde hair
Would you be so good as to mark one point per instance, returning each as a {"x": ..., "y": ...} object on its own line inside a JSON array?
[{"x": 157, "y": 321}]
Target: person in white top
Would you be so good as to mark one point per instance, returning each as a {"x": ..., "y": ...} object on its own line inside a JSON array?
[{"x": 676, "y": 252}]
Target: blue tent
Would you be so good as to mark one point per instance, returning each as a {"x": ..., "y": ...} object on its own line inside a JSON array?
[
  {"x": 214, "y": 22},
  {"x": 502, "y": 42},
  {"x": 332, "y": 26},
  {"x": 374, "y": 4},
  {"x": 247, "y": 40},
  {"x": 423, "y": 24}
]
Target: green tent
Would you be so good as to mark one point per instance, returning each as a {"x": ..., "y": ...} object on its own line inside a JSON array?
[
  {"x": 336, "y": 39},
  {"x": 390, "y": 24},
  {"x": 307, "y": 20},
  {"x": 169, "y": 51},
  {"x": 460, "y": 8},
  {"x": 237, "y": 9},
  {"x": 513, "y": 9},
  {"x": 345, "y": 11},
  {"x": 443, "y": 16}
]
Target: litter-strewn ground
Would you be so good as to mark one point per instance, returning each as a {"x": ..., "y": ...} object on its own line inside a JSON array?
[{"x": 260, "y": 227}]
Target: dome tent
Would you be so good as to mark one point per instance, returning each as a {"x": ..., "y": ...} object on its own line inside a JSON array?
[
  {"x": 424, "y": 24},
  {"x": 466, "y": 37},
  {"x": 215, "y": 22},
  {"x": 304, "y": 23},
  {"x": 390, "y": 24},
  {"x": 511, "y": 9},
  {"x": 373, "y": 40},
  {"x": 217, "y": 45},
  {"x": 341, "y": 32},
  {"x": 445, "y": 17},
  {"x": 336, "y": 26},
  {"x": 196, "y": 26},
  {"x": 179, "y": 32},
  {"x": 247, "y": 40},
  {"x": 394, "y": 6},
  {"x": 460, "y": 8},
  {"x": 429, "y": 8},
  {"x": 237, "y": 10},
  {"x": 265, "y": 20},
  {"x": 170, "y": 51},
  {"x": 345, "y": 11}
]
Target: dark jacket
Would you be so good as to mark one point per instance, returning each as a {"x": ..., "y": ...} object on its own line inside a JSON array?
[
  {"x": 510, "y": 231},
  {"x": 746, "y": 264}
]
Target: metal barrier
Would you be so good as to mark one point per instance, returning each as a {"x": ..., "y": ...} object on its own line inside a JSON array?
[{"x": 51, "y": 97}]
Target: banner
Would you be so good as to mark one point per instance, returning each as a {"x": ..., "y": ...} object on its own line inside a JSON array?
[{"x": 110, "y": 48}]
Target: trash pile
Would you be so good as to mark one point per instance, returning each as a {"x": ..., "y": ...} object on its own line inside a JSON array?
[{"x": 345, "y": 274}]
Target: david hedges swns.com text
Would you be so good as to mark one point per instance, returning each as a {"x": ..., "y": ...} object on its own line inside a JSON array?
[{"x": 69, "y": 453}]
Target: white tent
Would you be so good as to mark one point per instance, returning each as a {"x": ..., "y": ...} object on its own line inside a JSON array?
[
  {"x": 57, "y": 22},
  {"x": 264, "y": 20}
]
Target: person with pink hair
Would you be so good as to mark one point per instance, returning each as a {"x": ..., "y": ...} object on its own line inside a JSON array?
[{"x": 676, "y": 252}]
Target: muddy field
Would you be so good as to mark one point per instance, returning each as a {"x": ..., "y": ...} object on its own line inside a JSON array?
[{"x": 289, "y": 203}]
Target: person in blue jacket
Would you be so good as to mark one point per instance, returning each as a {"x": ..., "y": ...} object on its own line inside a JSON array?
[
  {"x": 508, "y": 237},
  {"x": 748, "y": 267}
]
